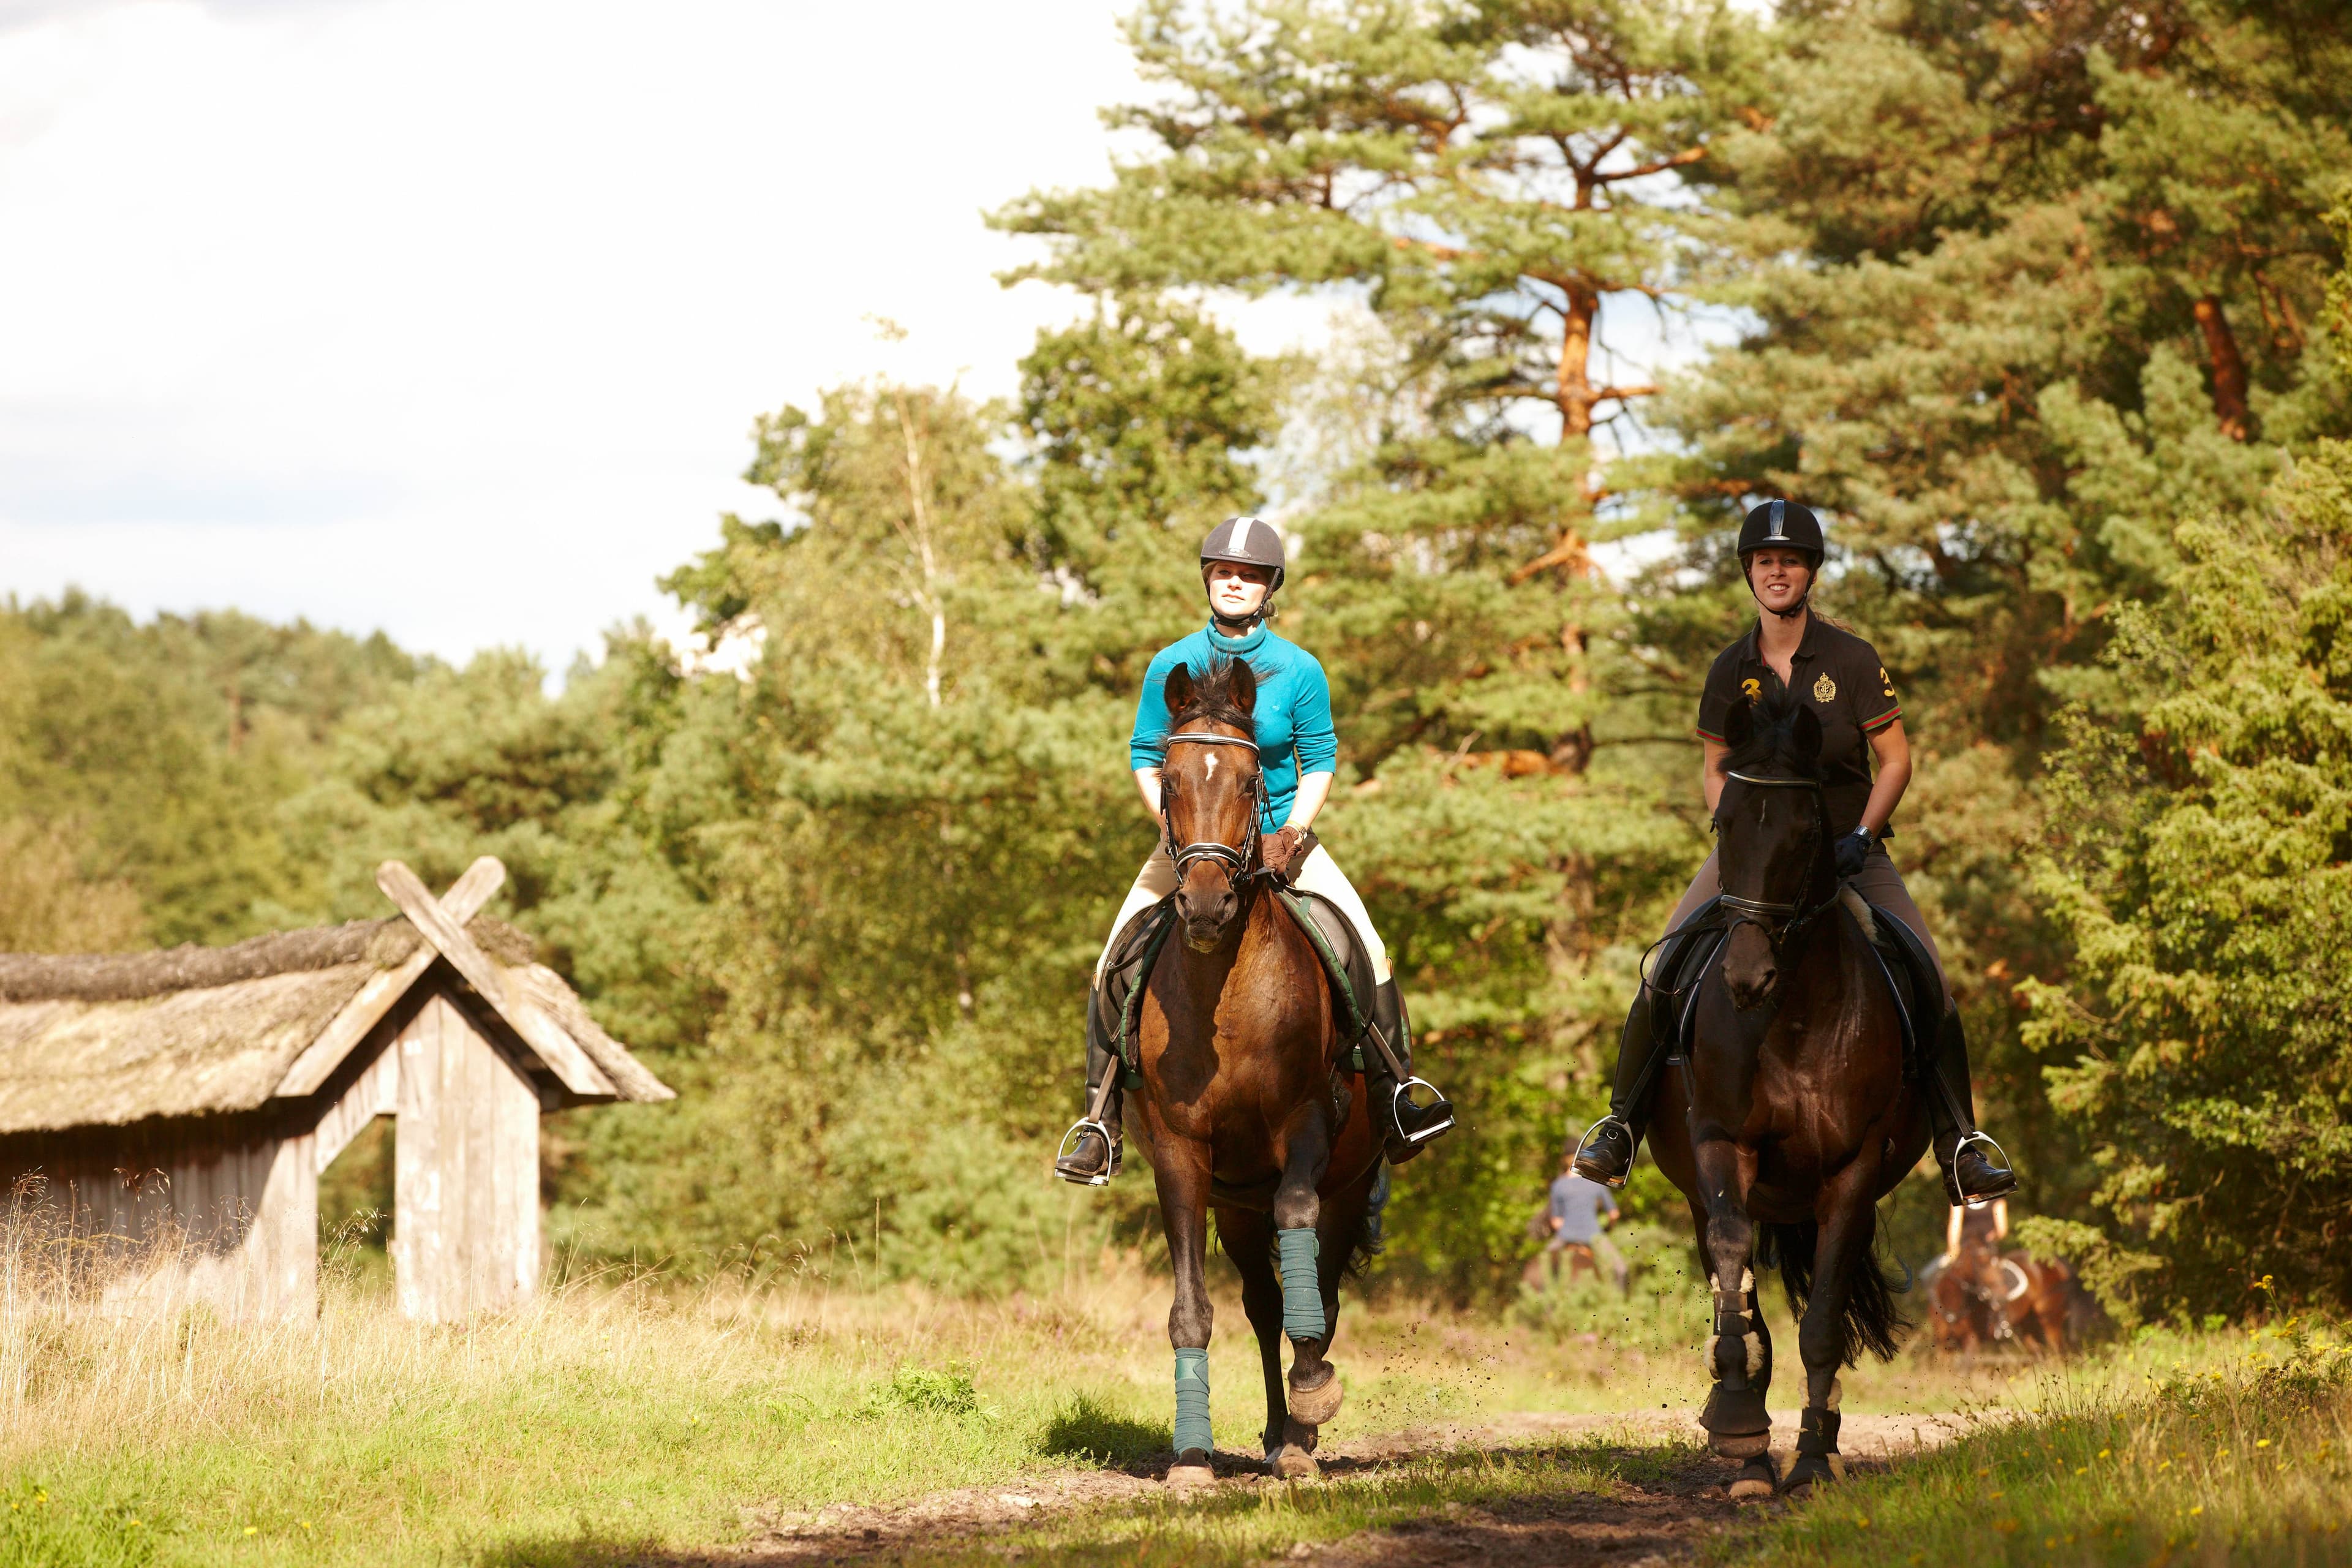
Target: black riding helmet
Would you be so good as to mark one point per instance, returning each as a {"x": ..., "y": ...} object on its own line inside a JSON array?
[
  {"x": 1784, "y": 525},
  {"x": 1251, "y": 541}
]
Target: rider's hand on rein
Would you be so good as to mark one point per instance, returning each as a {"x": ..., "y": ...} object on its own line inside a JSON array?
[
  {"x": 1852, "y": 852},
  {"x": 1276, "y": 849}
]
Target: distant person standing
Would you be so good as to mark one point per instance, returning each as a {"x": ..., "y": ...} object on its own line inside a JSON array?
[{"x": 1581, "y": 1212}]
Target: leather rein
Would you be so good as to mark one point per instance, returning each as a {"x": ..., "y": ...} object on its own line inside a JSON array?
[
  {"x": 1780, "y": 923},
  {"x": 1238, "y": 862}
]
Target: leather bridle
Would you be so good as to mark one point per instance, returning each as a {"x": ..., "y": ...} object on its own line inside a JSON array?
[
  {"x": 1238, "y": 861},
  {"x": 1779, "y": 923}
]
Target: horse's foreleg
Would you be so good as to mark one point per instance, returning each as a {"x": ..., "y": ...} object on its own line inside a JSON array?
[
  {"x": 1849, "y": 1223},
  {"x": 1248, "y": 1240},
  {"x": 1306, "y": 1304},
  {"x": 1738, "y": 1426},
  {"x": 1182, "y": 1170}
]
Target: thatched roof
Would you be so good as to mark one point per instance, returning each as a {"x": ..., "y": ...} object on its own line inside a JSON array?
[
  {"x": 125, "y": 976},
  {"x": 112, "y": 1038}
]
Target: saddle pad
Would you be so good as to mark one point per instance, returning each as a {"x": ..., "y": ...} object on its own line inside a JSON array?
[
  {"x": 1355, "y": 961},
  {"x": 1901, "y": 943},
  {"x": 1136, "y": 947},
  {"x": 1345, "y": 960}
]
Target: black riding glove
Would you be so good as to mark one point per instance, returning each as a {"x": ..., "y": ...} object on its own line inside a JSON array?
[{"x": 1853, "y": 851}]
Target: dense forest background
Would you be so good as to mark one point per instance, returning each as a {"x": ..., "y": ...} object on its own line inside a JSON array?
[{"x": 2035, "y": 299}]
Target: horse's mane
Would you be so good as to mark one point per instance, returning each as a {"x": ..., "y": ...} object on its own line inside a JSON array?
[
  {"x": 1213, "y": 700},
  {"x": 1772, "y": 744}
]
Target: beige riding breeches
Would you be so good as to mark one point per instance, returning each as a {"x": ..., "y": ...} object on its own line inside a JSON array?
[
  {"x": 1880, "y": 884},
  {"x": 1320, "y": 875}
]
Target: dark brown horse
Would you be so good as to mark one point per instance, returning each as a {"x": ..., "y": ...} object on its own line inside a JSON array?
[
  {"x": 1243, "y": 1109},
  {"x": 1793, "y": 1115}
]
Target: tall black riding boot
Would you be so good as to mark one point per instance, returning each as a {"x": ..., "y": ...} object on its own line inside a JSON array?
[
  {"x": 1404, "y": 1126},
  {"x": 1606, "y": 1153},
  {"x": 1095, "y": 1143},
  {"x": 1971, "y": 1175}
]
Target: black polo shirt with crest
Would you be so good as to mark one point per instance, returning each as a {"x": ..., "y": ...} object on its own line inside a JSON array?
[{"x": 1841, "y": 679}]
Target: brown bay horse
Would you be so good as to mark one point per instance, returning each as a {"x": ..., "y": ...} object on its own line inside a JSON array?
[
  {"x": 1793, "y": 1114},
  {"x": 1246, "y": 1110},
  {"x": 1986, "y": 1296}
]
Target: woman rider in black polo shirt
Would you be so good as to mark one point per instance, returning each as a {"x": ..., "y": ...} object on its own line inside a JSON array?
[{"x": 1840, "y": 677}]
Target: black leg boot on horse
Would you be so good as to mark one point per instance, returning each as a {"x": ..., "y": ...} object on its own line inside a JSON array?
[
  {"x": 1971, "y": 1176},
  {"x": 1092, "y": 1147},
  {"x": 1606, "y": 1152},
  {"x": 1406, "y": 1125}
]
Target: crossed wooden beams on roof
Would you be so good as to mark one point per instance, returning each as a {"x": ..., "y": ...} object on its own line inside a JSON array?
[{"x": 442, "y": 923}]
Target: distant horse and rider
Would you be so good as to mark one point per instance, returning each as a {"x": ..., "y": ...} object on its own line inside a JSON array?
[
  {"x": 1793, "y": 1050},
  {"x": 1981, "y": 1297}
]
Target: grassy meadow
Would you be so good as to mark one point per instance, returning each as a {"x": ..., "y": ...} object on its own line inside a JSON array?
[{"x": 619, "y": 1419}]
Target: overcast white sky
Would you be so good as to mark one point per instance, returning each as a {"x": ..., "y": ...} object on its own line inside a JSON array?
[{"x": 450, "y": 317}]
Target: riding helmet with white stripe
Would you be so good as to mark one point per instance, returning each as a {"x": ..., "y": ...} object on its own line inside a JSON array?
[
  {"x": 1251, "y": 541},
  {"x": 1781, "y": 524}
]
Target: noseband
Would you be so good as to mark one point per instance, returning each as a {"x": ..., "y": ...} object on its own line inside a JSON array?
[
  {"x": 1237, "y": 861},
  {"x": 1779, "y": 923}
]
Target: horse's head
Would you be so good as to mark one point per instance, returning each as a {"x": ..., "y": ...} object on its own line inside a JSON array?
[
  {"x": 1772, "y": 833},
  {"x": 1210, "y": 787}
]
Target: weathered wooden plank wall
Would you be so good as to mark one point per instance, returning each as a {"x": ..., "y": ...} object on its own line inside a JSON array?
[
  {"x": 174, "y": 1213},
  {"x": 466, "y": 1224}
]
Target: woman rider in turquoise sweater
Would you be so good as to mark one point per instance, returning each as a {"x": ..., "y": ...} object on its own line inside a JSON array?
[{"x": 1242, "y": 564}]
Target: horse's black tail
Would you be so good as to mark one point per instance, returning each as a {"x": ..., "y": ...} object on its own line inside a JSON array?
[{"x": 1872, "y": 1321}]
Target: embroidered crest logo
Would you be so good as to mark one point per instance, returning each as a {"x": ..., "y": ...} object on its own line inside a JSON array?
[
  {"x": 1753, "y": 687},
  {"x": 1825, "y": 689}
]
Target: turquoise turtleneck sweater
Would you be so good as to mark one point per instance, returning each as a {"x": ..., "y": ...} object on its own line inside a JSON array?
[{"x": 1293, "y": 717}]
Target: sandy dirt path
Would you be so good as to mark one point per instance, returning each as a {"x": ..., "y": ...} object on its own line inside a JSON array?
[{"x": 1639, "y": 1522}]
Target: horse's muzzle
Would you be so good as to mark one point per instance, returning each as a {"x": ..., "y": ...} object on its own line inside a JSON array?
[
  {"x": 1205, "y": 915},
  {"x": 1751, "y": 969}
]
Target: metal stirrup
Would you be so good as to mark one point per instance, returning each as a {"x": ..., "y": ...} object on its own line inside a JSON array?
[
  {"x": 1584, "y": 1143},
  {"x": 1401, "y": 1098},
  {"x": 1980, "y": 1136},
  {"x": 1065, "y": 1150}
]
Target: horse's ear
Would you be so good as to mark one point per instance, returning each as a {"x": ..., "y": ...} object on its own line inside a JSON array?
[
  {"x": 1179, "y": 689},
  {"x": 1739, "y": 724},
  {"x": 1805, "y": 736},
  {"x": 1244, "y": 685}
]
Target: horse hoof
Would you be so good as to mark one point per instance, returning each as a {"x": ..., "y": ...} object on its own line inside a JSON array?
[
  {"x": 1190, "y": 1474},
  {"x": 1812, "y": 1469},
  {"x": 1757, "y": 1479},
  {"x": 1314, "y": 1406},
  {"x": 1739, "y": 1445},
  {"x": 1292, "y": 1463}
]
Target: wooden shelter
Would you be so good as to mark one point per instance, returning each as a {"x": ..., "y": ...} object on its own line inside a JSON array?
[{"x": 170, "y": 1112}]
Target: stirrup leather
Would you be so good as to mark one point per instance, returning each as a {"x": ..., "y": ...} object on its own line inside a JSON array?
[
  {"x": 1402, "y": 1097},
  {"x": 1067, "y": 1148}
]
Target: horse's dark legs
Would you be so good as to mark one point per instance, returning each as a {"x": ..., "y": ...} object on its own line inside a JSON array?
[
  {"x": 1739, "y": 1353},
  {"x": 1182, "y": 1171},
  {"x": 1248, "y": 1240},
  {"x": 1848, "y": 1225}
]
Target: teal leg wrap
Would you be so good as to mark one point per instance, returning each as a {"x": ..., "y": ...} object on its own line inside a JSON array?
[
  {"x": 1192, "y": 1402},
  {"x": 1302, "y": 1292}
]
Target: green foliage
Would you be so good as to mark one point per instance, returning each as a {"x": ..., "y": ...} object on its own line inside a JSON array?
[
  {"x": 2203, "y": 874},
  {"x": 41, "y": 1532},
  {"x": 921, "y": 1388},
  {"x": 141, "y": 767}
]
